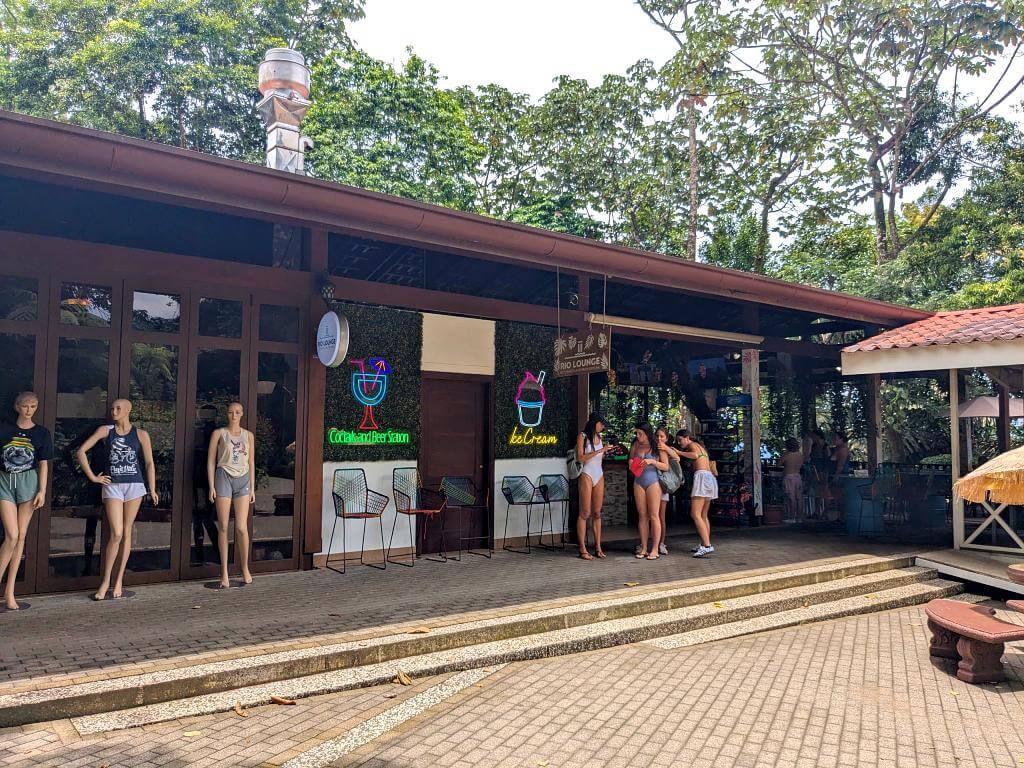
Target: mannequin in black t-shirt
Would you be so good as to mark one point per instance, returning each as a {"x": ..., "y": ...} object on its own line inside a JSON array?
[{"x": 25, "y": 453}]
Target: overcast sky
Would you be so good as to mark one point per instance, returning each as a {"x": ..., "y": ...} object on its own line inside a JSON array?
[
  {"x": 522, "y": 46},
  {"x": 525, "y": 45}
]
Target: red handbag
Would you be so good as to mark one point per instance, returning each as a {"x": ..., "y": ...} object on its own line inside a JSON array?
[{"x": 636, "y": 466}]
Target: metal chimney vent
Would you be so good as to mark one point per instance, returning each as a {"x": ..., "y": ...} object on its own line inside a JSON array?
[{"x": 284, "y": 83}]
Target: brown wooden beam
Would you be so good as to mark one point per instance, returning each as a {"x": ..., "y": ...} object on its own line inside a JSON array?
[
  {"x": 830, "y": 352},
  {"x": 312, "y": 527},
  {"x": 1003, "y": 422},
  {"x": 381, "y": 294},
  {"x": 583, "y": 380},
  {"x": 873, "y": 406}
]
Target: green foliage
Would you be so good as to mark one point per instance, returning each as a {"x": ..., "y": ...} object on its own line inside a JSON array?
[
  {"x": 518, "y": 348},
  {"x": 396, "y": 336},
  {"x": 733, "y": 244},
  {"x": 561, "y": 214},
  {"x": 915, "y": 419},
  {"x": 178, "y": 71},
  {"x": 391, "y": 130}
]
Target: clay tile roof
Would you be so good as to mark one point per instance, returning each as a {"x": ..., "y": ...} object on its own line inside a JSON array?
[{"x": 959, "y": 327}]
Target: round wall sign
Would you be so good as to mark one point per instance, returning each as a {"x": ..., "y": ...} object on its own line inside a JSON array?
[{"x": 332, "y": 339}]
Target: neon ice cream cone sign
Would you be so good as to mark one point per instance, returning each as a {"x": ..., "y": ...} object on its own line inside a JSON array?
[{"x": 531, "y": 399}]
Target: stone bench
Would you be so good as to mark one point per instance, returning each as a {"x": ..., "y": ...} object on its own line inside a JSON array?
[{"x": 973, "y": 635}]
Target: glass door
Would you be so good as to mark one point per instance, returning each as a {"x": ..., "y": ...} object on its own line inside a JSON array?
[
  {"x": 82, "y": 365},
  {"x": 218, "y": 373},
  {"x": 23, "y": 301},
  {"x": 275, "y": 403},
  {"x": 153, "y": 341}
]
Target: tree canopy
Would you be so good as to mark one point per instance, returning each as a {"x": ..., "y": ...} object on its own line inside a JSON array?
[{"x": 849, "y": 145}]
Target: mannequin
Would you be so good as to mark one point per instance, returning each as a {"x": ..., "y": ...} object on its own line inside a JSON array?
[
  {"x": 26, "y": 449},
  {"x": 124, "y": 486},
  {"x": 231, "y": 472}
]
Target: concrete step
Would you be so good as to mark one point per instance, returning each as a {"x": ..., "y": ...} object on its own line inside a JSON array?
[
  {"x": 851, "y": 606},
  {"x": 46, "y": 700},
  {"x": 873, "y": 591}
]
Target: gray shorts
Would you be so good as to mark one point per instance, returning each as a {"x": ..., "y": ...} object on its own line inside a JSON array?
[
  {"x": 230, "y": 487},
  {"x": 20, "y": 487}
]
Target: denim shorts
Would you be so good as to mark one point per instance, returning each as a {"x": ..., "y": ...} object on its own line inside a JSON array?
[{"x": 19, "y": 488}]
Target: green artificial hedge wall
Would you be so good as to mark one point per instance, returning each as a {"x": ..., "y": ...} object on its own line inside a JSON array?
[
  {"x": 397, "y": 336},
  {"x": 518, "y": 348}
]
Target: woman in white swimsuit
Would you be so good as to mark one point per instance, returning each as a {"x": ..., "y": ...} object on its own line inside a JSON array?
[{"x": 590, "y": 451}]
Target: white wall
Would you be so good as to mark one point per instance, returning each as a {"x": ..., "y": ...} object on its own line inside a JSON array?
[
  {"x": 378, "y": 478},
  {"x": 531, "y": 468},
  {"x": 458, "y": 345}
]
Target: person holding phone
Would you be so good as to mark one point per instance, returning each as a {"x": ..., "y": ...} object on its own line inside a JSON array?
[
  {"x": 646, "y": 458},
  {"x": 590, "y": 452}
]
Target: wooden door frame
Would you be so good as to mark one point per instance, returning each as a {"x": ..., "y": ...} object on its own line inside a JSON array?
[
  {"x": 196, "y": 343},
  {"x": 488, "y": 382},
  {"x": 130, "y": 336},
  {"x": 57, "y": 330},
  {"x": 299, "y": 349},
  {"x": 38, "y": 329}
]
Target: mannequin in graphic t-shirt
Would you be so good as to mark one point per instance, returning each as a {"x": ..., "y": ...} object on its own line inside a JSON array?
[
  {"x": 124, "y": 486},
  {"x": 231, "y": 474},
  {"x": 25, "y": 453}
]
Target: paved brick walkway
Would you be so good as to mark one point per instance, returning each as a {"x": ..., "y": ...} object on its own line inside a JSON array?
[
  {"x": 66, "y": 634},
  {"x": 859, "y": 692},
  {"x": 856, "y": 692}
]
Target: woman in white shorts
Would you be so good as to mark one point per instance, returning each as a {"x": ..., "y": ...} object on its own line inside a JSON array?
[
  {"x": 124, "y": 487},
  {"x": 705, "y": 489},
  {"x": 231, "y": 472}
]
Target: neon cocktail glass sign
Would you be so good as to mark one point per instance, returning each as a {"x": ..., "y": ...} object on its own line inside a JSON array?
[{"x": 370, "y": 388}]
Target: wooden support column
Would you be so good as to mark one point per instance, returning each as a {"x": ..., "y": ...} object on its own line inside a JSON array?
[
  {"x": 954, "y": 453},
  {"x": 312, "y": 529},
  {"x": 751, "y": 380},
  {"x": 874, "y": 417},
  {"x": 1003, "y": 423},
  {"x": 583, "y": 380}
]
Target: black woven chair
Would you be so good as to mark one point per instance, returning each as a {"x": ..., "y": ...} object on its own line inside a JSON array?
[
  {"x": 461, "y": 495},
  {"x": 412, "y": 500},
  {"x": 554, "y": 490},
  {"x": 353, "y": 500},
  {"x": 520, "y": 491}
]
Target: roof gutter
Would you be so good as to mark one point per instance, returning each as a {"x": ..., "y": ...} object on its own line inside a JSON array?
[{"x": 78, "y": 155}]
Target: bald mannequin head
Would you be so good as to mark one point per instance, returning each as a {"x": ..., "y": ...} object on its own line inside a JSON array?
[{"x": 121, "y": 409}]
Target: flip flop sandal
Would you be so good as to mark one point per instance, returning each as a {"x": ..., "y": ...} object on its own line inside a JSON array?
[
  {"x": 640, "y": 555},
  {"x": 601, "y": 555},
  {"x": 585, "y": 556}
]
